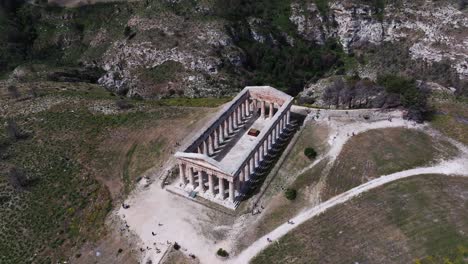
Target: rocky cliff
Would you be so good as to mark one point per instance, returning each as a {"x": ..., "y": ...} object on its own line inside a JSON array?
[{"x": 197, "y": 48}]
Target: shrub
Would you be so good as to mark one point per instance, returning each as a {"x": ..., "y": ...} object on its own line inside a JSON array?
[
  {"x": 176, "y": 246},
  {"x": 19, "y": 179},
  {"x": 290, "y": 194},
  {"x": 13, "y": 131},
  {"x": 13, "y": 91},
  {"x": 222, "y": 253},
  {"x": 123, "y": 104},
  {"x": 310, "y": 153}
]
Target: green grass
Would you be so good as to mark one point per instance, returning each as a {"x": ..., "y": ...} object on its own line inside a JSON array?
[{"x": 416, "y": 220}]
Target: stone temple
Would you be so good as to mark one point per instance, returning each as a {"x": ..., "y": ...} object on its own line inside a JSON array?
[{"x": 220, "y": 161}]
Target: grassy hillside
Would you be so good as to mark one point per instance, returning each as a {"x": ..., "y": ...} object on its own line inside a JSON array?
[
  {"x": 78, "y": 156},
  {"x": 416, "y": 220}
]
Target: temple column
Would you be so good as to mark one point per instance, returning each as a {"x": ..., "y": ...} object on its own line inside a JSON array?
[
  {"x": 231, "y": 192},
  {"x": 191, "y": 178},
  {"x": 221, "y": 188},
  {"x": 205, "y": 147},
  {"x": 270, "y": 113},
  {"x": 246, "y": 106},
  {"x": 231, "y": 122},
  {"x": 216, "y": 138},
  {"x": 242, "y": 111},
  {"x": 211, "y": 143},
  {"x": 226, "y": 127},
  {"x": 211, "y": 184},
  {"x": 252, "y": 165},
  {"x": 201, "y": 180},
  {"x": 183, "y": 180},
  {"x": 242, "y": 176},
  {"x": 221, "y": 134},
  {"x": 261, "y": 152},
  {"x": 264, "y": 151},
  {"x": 257, "y": 158},
  {"x": 247, "y": 171},
  {"x": 234, "y": 119},
  {"x": 262, "y": 110}
]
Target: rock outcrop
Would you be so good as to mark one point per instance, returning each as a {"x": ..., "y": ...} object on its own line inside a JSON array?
[{"x": 433, "y": 30}]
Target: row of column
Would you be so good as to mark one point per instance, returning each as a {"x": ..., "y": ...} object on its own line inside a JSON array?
[
  {"x": 207, "y": 182},
  {"x": 222, "y": 132},
  {"x": 263, "y": 114},
  {"x": 264, "y": 146}
]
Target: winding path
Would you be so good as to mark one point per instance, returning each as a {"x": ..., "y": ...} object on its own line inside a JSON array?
[{"x": 458, "y": 166}]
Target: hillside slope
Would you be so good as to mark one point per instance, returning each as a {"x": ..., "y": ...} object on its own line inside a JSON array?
[{"x": 212, "y": 48}]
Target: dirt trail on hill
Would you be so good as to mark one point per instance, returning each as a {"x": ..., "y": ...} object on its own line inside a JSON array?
[{"x": 458, "y": 166}]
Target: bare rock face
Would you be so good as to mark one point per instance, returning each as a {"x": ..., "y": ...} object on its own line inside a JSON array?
[
  {"x": 309, "y": 22},
  {"x": 434, "y": 31},
  {"x": 313, "y": 92},
  {"x": 200, "y": 47}
]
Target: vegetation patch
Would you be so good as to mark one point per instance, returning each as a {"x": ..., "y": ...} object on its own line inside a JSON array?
[
  {"x": 290, "y": 194},
  {"x": 415, "y": 220},
  {"x": 310, "y": 153},
  {"x": 222, "y": 253}
]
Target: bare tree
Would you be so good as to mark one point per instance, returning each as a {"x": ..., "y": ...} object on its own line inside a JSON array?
[{"x": 332, "y": 92}]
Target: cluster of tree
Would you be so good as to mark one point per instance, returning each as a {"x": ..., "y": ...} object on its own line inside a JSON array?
[
  {"x": 16, "y": 34},
  {"x": 412, "y": 96},
  {"x": 353, "y": 93},
  {"x": 388, "y": 92},
  {"x": 275, "y": 61}
]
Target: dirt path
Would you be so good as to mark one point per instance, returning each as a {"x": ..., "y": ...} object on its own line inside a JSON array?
[{"x": 457, "y": 166}]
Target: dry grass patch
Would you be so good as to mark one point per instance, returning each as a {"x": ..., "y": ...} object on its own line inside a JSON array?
[
  {"x": 417, "y": 219},
  {"x": 380, "y": 152}
]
